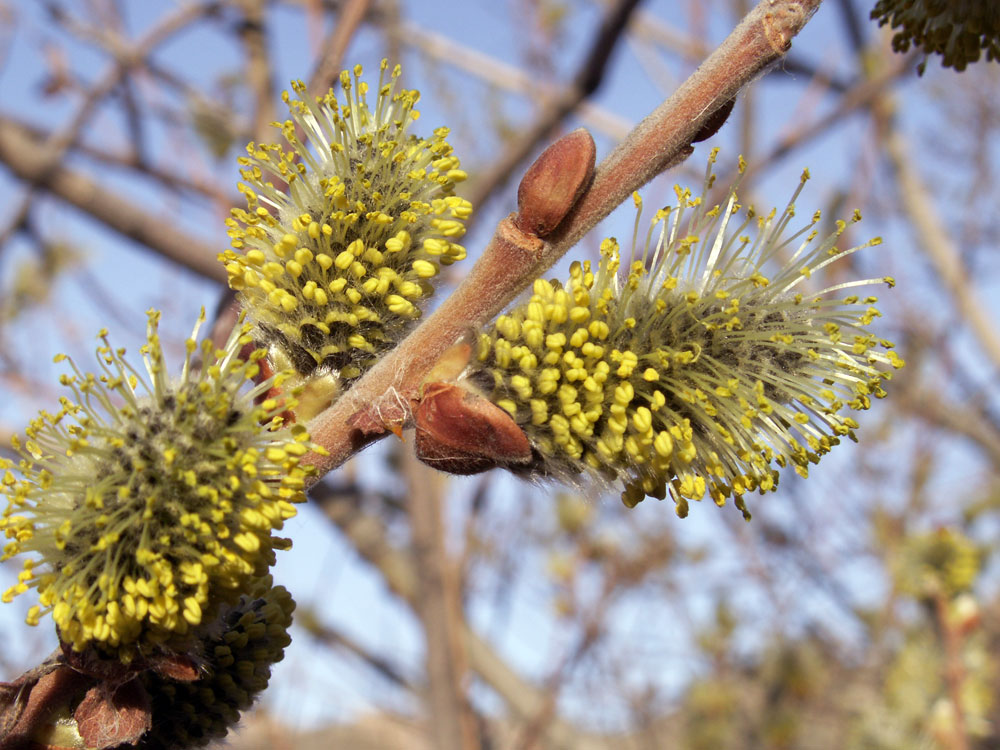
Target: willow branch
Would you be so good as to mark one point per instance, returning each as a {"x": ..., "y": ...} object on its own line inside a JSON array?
[
  {"x": 27, "y": 159},
  {"x": 452, "y": 722},
  {"x": 665, "y": 136},
  {"x": 335, "y": 45},
  {"x": 512, "y": 260},
  {"x": 647, "y": 26}
]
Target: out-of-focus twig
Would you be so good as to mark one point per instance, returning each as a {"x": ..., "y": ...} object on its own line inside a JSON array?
[
  {"x": 18, "y": 220},
  {"x": 258, "y": 65},
  {"x": 368, "y": 535},
  {"x": 26, "y": 159},
  {"x": 133, "y": 117},
  {"x": 335, "y": 45},
  {"x": 38, "y": 163},
  {"x": 863, "y": 95},
  {"x": 437, "y": 605},
  {"x": 647, "y": 26},
  {"x": 58, "y": 142},
  {"x": 331, "y": 636},
  {"x": 556, "y": 108},
  {"x": 6, "y": 434},
  {"x": 161, "y": 174},
  {"x": 932, "y": 238},
  {"x": 955, "y": 418},
  {"x": 591, "y": 630},
  {"x": 954, "y": 671},
  {"x": 505, "y": 76}
]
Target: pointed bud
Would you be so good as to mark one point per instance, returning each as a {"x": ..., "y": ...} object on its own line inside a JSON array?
[{"x": 554, "y": 183}]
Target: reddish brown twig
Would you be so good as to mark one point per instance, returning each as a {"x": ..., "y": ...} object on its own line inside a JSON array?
[
  {"x": 335, "y": 45},
  {"x": 513, "y": 258}
]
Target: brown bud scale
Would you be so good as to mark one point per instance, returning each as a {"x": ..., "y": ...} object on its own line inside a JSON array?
[
  {"x": 463, "y": 433},
  {"x": 714, "y": 122}
]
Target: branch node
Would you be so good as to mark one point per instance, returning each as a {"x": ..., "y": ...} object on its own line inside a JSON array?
[{"x": 784, "y": 21}]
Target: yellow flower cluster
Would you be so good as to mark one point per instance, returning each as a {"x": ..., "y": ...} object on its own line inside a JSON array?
[
  {"x": 694, "y": 371},
  {"x": 942, "y": 562},
  {"x": 148, "y": 503},
  {"x": 247, "y": 639},
  {"x": 334, "y": 262}
]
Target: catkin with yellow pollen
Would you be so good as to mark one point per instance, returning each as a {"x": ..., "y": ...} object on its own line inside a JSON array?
[
  {"x": 705, "y": 366},
  {"x": 145, "y": 503},
  {"x": 334, "y": 264}
]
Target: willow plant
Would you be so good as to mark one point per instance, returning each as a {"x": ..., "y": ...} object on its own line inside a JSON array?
[{"x": 146, "y": 506}]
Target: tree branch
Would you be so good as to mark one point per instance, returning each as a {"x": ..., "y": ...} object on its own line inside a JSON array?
[
  {"x": 437, "y": 605},
  {"x": 511, "y": 261},
  {"x": 26, "y": 158}
]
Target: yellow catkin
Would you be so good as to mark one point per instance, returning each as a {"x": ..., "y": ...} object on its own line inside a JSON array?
[
  {"x": 687, "y": 377},
  {"x": 172, "y": 508},
  {"x": 336, "y": 296}
]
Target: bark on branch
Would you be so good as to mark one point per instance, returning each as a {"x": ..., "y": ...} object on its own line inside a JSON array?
[{"x": 511, "y": 261}]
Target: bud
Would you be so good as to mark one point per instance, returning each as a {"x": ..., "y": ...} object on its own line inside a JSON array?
[
  {"x": 554, "y": 182},
  {"x": 714, "y": 122},
  {"x": 463, "y": 433}
]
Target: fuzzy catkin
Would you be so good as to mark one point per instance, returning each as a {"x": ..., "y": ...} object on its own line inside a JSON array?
[
  {"x": 248, "y": 639},
  {"x": 145, "y": 503},
  {"x": 335, "y": 264},
  {"x": 703, "y": 368},
  {"x": 957, "y": 30}
]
